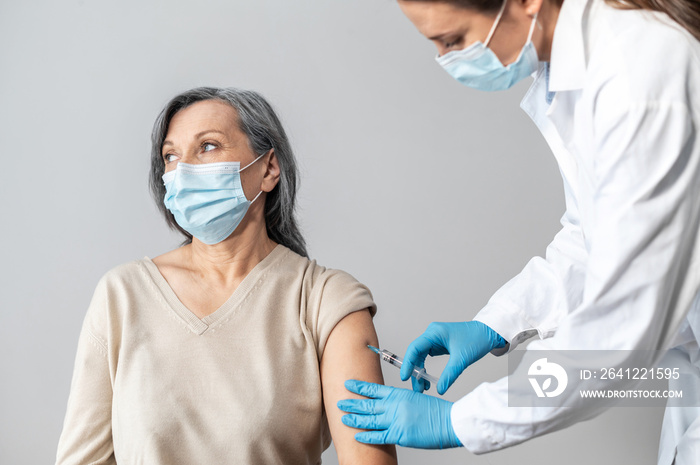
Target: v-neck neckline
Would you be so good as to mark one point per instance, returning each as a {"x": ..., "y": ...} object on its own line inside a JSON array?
[{"x": 221, "y": 314}]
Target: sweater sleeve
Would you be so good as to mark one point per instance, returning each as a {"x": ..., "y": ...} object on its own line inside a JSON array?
[
  {"x": 87, "y": 429},
  {"x": 334, "y": 295}
]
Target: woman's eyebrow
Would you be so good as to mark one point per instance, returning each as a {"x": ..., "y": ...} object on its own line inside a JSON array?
[
  {"x": 209, "y": 131},
  {"x": 197, "y": 136}
]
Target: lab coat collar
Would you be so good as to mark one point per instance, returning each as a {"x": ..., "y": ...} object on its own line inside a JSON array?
[{"x": 568, "y": 58}]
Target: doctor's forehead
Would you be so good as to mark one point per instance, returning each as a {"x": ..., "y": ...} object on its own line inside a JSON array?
[{"x": 435, "y": 19}]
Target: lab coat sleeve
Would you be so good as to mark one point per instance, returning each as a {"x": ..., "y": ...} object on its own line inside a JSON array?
[
  {"x": 641, "y": 274},
  {"x": 534, "y": 301},
  {"x": 87, "y": 428}
]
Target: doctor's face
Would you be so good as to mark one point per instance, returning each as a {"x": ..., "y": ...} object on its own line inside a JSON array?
[{"x": 451, "y": 27}]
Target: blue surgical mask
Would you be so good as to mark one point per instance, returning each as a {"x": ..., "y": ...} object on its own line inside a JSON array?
[
  {"x": 207, "y": 200},
  {"x": 479, "y": 68}
]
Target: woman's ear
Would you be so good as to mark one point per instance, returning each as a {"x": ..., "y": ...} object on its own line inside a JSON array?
[{"x": 272, "y": 172}]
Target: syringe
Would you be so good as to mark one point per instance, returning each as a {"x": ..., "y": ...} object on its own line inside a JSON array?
[{"x": 397, "y": 361}]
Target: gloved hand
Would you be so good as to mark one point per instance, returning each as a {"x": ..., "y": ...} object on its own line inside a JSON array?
[
  {"x": 466, "y": 342},
  {"x": 399, "y": 416}
]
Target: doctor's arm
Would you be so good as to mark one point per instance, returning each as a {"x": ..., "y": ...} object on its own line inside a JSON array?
[
  {"x": 534, "y": 302},
  {"x": 639, "y": 281},
  {"x": 346, "y": 356}
]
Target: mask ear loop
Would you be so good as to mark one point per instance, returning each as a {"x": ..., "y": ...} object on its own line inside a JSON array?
[
  {"x": 495, "y": 23},
  {"x": 532, "y": 28},
  {"x": 256, "y": 197},
  {"x": 246, "y": 166}
]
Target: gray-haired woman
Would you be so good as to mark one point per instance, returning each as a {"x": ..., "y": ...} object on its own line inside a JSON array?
[{"x": 234, "y": 347}]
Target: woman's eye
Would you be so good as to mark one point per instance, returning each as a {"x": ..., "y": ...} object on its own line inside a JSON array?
[
  {"x": 168, "y": 157},
  {"x": 207, "y": 146}
]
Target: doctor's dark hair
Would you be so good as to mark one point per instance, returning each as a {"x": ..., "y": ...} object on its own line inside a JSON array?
[
  {"x": 684, "y": 12},
  {"x": 258, "y": 121}
]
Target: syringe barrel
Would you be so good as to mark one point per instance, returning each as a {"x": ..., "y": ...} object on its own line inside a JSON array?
[
  {"x": 420, "y": 373},
  {"x": 391, "y": 358},
  {"x": 397, "y": 361}
]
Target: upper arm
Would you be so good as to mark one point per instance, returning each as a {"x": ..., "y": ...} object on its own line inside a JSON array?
[
  {"x": 87, "y": 428},
  {"x": 346, "y": 356}
]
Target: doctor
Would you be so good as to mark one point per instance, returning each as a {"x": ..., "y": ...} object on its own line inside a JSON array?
[{"x": 617, "y": 97}]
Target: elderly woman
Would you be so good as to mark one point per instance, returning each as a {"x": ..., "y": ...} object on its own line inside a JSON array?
[{"x": 234, "y": 347}]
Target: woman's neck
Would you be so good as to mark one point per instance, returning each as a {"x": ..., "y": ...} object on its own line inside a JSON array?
[{"x": 232, "y": 259}]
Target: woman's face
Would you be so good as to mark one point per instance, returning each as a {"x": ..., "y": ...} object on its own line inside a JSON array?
[
  {"x": 205, "y": 132},
  {"x": 451, "y": 27}
]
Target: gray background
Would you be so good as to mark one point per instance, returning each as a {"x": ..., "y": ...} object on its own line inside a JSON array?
[{"x": 430, "y": 193}]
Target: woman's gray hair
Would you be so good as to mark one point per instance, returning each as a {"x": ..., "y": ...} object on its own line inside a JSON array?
[{"x": 258, "y": 121}]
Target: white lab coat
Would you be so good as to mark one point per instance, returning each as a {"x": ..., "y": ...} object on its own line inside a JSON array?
[{"x": 624, "y": 271}]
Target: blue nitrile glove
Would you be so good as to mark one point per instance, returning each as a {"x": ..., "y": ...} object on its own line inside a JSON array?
[
  {"x": 466, "y": 342},
  {"x": 399, "y": 416}
]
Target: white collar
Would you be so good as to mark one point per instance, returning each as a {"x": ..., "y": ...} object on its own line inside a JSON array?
[{"x": 568, "y": 57}]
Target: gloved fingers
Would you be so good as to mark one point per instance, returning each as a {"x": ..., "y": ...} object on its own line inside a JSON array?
[
  {"x": 373, "y": 422},
  {"x": 415, "y": 355},
  {"x": 361, "y": 406},
  {"x": 371, "y": 390},
  {"x": 419, "y": 385},
  {"x": 455, "y": 366},
  {"x": 374, "y": 437}
]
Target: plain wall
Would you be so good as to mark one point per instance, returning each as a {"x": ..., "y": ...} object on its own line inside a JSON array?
[{"x": 432, "y": 194}]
